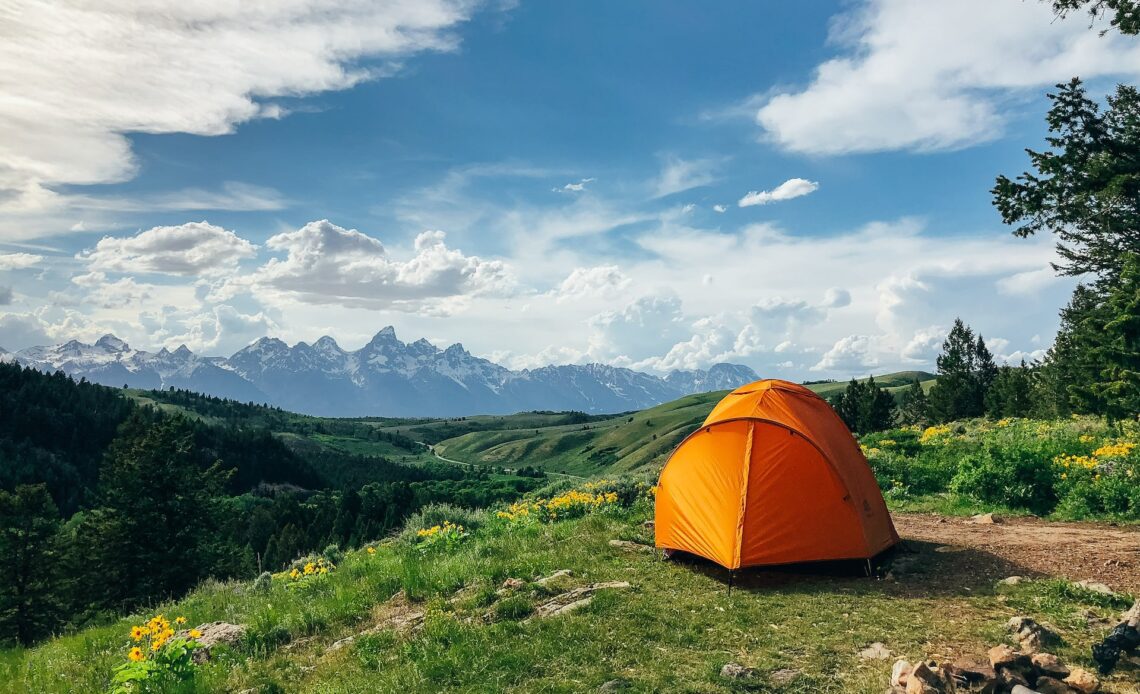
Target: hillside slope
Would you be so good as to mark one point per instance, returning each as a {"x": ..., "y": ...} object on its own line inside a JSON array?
[
  {"x": 404, "y": 620},
  {"x": 617, "y": 444}
]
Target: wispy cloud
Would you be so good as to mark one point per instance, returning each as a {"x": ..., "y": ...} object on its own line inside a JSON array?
[{"x": 791, "y": 188}]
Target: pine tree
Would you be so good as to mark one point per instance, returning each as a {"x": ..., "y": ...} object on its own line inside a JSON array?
[
  {"x": 955, "y": 395},
  {"x": 864, "y": 406},
  {"x": 158, "y": 511},
  {"x": 985, "y": 373},
  {"x": 1012, "y": 392},
  {"x": 30, "y": 601},
  {"x": 1062, "y": 384},
  {"x": 1118, "y": 386},
  {"x": 913, "y": 408}
]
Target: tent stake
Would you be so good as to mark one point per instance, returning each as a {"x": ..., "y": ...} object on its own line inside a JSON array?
[{"x": 731, "y": 579}]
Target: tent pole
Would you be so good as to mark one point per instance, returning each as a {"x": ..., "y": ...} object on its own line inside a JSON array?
[{"x": 870, "y": 572}]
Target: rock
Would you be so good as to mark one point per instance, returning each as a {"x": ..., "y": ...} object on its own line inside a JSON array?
[
  {"x": 342, "y": 643},
  {"x": 1051, "y": 685},
  {"x": 214, "y": 633},
  {"x": 1012, "y": 580},
  {"x": 1083, "y": 681},
  {"x": 924, "y": 680},
  {"x": 1004, "y": 657},
  {"x": 614, "y": 686},
  {"x": 1012, "y": 678},
  {"x": 783, "y": 676},
  {"x": 971, "y": 673},
  {"x": 947, "y": 549},
  {"x": 571, "y": 600},
  {"x": 1031, "y": 635},
  {"x": 513, "y": 584},
  {"x": 1095, "y": 586},
  {"x": 900, "y": 672},
  {"x": 627, "y": 546},
  {"x": 876, "y": 651},
  {"x": 1022, "y": 689},
  {"x": 1132, "y": 616},
  {"x": 648, "y": 525},
  {"x": 987, "y": 519},
  {"x": 736, "y": 671},
  {"x": 1050, "y": 665},
  {"x": 555, "y": 576}
]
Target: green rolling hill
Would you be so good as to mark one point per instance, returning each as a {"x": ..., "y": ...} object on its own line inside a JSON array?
[{"x": 601, "y": 445}]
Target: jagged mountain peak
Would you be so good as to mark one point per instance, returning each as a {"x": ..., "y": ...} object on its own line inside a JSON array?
[
  {"x": 385, "y": 377},
  {"x": 112, "y": 343}
]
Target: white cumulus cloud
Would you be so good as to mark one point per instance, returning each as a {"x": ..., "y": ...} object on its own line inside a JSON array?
[
  {"x": 192, "y": 249},
  {"x": 19, "y": 261},
  {"x": 598, "y": 281},
  {"x": 936, "y": 75},
  {"x": 328, "y": 264}
]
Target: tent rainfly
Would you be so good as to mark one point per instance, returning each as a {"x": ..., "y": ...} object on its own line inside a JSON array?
[{"x": 773, "y": 476}]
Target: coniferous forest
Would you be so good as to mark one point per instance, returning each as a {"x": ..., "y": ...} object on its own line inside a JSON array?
[{"x": 107, "y": 505}]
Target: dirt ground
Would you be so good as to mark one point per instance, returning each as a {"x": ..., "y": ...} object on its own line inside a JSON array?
[{"x": 1028, "y": 547}]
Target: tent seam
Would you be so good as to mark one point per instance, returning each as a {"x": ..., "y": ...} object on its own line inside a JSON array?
[{"x": 747, "y": 471}]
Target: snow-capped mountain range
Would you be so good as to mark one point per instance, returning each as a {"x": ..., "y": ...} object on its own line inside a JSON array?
[{"x": 386, "y": 377}]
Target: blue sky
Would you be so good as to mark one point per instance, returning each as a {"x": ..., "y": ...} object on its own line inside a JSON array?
[{"x": 543, "y": 182}]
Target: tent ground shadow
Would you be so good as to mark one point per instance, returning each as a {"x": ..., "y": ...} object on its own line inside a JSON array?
[{"x": 912, "y": 568}]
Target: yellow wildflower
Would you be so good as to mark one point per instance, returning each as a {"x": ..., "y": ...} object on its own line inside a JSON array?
[
  {"x": 371, "y": 550},
  {"x": 136, "y": 654},
  {"x": 138, "y": 632},
  {"x": 195, "y": 634},
  {"x": 180, "y": 620}
]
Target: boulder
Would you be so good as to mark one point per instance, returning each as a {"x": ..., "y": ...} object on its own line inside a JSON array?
[
  {"x": 972, "y": 673},
  {"x": 925, "y": 680},
  {"x": 736, "y": 671},
  {"x": 1004, "y": 657},
  {"x": 513, "y": 584},
  {"x": 900, "y": 673},
  {"x": 1083, "y": 681},
  {"x": 1050, "y": 665},
  {"x": 1031, "y": 635},
  {"x": 1021, "y": 689},
  {"x": 214, "y": 633},
  {"x": 1051, "y": 685},
  {"x": 1095, "y": 586},
  {"x": 1012, "y": 580}
]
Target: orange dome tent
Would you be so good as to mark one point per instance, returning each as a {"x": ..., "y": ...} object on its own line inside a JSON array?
[{"x": 772, "y": 477}]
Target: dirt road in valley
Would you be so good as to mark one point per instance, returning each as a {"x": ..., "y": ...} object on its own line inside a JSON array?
[{"x": 1029, "y": 547}]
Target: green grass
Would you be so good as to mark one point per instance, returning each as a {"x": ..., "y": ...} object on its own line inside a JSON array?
[
  {"x": 672, "y": 631},
  {"x": 614, "y": 445}
]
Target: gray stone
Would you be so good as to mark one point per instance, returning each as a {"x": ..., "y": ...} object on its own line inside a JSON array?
[
  {"x": 736, "y": 671},
  {"x": 1031, "y": 635},
  {"x": 783, "y": 676},
  {"x": 876, "y": 651}
]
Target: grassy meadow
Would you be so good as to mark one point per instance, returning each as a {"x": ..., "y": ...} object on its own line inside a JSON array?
[{"x": 672, "y": 630}]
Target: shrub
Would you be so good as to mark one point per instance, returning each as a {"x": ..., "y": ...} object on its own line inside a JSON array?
[
  {"x": 1012, "y": 477},
  {"x": 435, "y": 514},
  {"x": 263, "y": 582}
]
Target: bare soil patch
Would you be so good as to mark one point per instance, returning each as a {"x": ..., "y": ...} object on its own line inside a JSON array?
[{"x": 1031, "y": 547}]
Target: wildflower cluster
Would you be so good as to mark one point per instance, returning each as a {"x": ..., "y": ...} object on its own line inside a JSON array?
[
  {"x": 158, "y": 656},
  {"x": 572, "y": 504},
  {"x": 934, "y": 434},
  {"x": 446, "y": 536},
  {"x": 315, "y": 567},
  {"x": 1115, "y": 450}
]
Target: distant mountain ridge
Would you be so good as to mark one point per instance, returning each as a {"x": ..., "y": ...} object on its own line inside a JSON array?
[{"x": 386, "y": 377}]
